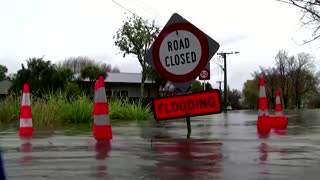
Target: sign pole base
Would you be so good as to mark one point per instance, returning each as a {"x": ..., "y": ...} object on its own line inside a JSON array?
[{"x": 189, "y": 127}]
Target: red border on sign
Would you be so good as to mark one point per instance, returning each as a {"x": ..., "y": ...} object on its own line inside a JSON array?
[
  {"x": 185, "y": 115},
  {"x": 204, "y": 52}
]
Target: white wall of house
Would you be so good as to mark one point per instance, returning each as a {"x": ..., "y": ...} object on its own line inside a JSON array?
[{"x": 132, "y": 90}]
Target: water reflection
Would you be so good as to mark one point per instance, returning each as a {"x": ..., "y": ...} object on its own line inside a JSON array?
[
  {"x": 263, "y": 150},
  {"x": 281, "y": 132},
  {"x": 102, "y": 149},
  {"x": 186, "y": 157},
  {"x": 26, "y": 151}
]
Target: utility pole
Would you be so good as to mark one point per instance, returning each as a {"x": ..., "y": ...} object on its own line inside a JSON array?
[
  {"x": 225, "y": 90},
  {"x": 219, "y": 82}
]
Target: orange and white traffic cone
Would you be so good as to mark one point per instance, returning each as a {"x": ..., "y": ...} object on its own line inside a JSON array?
[
  {"x": 263, "y": 124},
  {"x": 278, "y": 107},
  {"x": 25, "y": 127},
  {"x": 279, "y": 120},
  {"x": 101, "y": 128}
]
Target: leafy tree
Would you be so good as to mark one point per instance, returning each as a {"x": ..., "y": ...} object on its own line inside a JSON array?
[
  {"x": 3, "y": 71},
  {"x": 234, "y": 98},
  {"x": 92, "y": 72},
  {"x": 251, "y": 93},
  {"x": 135, "y": 37},
  {"x": 208, "y": 86},
  {"x": 42, "y": 76},
  {"x": 310, "y": 16},
  {"x": 196, "y": 86},
  {"x": 152, "y": 74}
]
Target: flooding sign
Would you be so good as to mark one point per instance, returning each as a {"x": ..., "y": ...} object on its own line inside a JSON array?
[{"x": 194, "y": 104}]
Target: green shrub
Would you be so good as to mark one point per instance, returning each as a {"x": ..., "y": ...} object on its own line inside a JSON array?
[
  {"x": 121, "y": 109},
  {"x": 9, "y": 109},
  {"x": 57, "y": 109},
  {"x": 80, "y": 110},
  {"x": 45, "y": 112}
]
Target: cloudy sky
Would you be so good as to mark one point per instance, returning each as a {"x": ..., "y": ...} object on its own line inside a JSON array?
[{"x": 58, "y": 29}]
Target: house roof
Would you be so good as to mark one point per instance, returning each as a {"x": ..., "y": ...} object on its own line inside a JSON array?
[
  {"x": 124, "y": 78},
  {"x": 5, "y": 86}
]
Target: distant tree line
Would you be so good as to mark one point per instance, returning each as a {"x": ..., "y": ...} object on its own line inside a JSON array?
[
  {"x": 3, "y": 72},
  {"x": 294, "y": 76},
  {"x": 67, "y": 76},
  {"x": 45, "y": 77}
]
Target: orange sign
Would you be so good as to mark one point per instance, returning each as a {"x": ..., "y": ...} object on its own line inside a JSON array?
[{"x": 194, "y": 104}]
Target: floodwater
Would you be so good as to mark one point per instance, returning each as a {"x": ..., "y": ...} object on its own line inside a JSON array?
[{"x": 223, "y": 146}]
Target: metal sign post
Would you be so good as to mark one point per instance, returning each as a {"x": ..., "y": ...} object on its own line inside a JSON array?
[{"x": 180, "y": 53}]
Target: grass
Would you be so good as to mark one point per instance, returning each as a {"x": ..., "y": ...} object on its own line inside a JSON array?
[
  {"x": 123, "y": 110},
  {"x": 9, "y": 109},
  {"x": 57, "y": 110}
]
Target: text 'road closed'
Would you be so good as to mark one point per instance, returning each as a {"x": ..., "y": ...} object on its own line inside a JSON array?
[{"x": 195, "y": 104}]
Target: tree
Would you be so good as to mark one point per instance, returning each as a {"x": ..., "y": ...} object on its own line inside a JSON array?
[
  {"x": 208, "y": 86},
  {"x": 196, "y": 86},
  {"x": 115, "y": 69},
  {"x": 310, "y": 16},
  {"x": 153, "y": 75},
  {"x": 271, "y": 82},
  {"x": 43, "y": 77},
  {"x": 3, "y": 71},
  {"x": 234, "y": 98},
  {"x": 135, "y": 37},
  {"x": 303, "y": 79},
  {"x": 294, "y": 75},
  {"x": 251, "y": 93},
  {"x": 283, "y": 65},
  {"x": 92, "y": 72},
  {"x": 76, "y": 64}
]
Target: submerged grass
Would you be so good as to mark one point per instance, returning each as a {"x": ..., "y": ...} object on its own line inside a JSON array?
[
  {"x": 122, "y": 109},
  {"x": 57, "y": 109}
]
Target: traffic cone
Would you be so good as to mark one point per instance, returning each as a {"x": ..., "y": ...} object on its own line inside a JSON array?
[
  {"x": 25, "y": 127},
  {"x": 278, "y": 120},
  {"x": 101, "y": 127},
  {"x": 263, "y": 124},
  {"x": 278, "y": 107}
]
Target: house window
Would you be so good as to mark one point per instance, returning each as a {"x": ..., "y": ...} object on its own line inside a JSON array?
[
  {"x": 115, "y": 93},
  {"x": 124, "y": 93}
]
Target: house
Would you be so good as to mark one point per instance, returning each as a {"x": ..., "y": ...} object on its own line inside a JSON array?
[
  {"x": 4, "y": 87},
  {"x": 127, "y": 84}
]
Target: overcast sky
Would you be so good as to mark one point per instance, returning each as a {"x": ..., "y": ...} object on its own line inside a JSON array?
[{"x": 59, "y": 29}]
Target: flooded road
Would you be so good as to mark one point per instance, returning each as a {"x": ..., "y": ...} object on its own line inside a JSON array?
[{"x": 223, "y": 146}]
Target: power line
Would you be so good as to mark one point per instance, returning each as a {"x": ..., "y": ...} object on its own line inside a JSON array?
[
  {"x": 152, "y": 10},
  {"x": 124, "y": 7},
  {"x": 135, "y": 14}
]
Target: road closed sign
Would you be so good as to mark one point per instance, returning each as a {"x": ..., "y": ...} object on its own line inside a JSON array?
[
  {"x": 194, "y": 104},
  {"x": 181, "y": 51}
]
